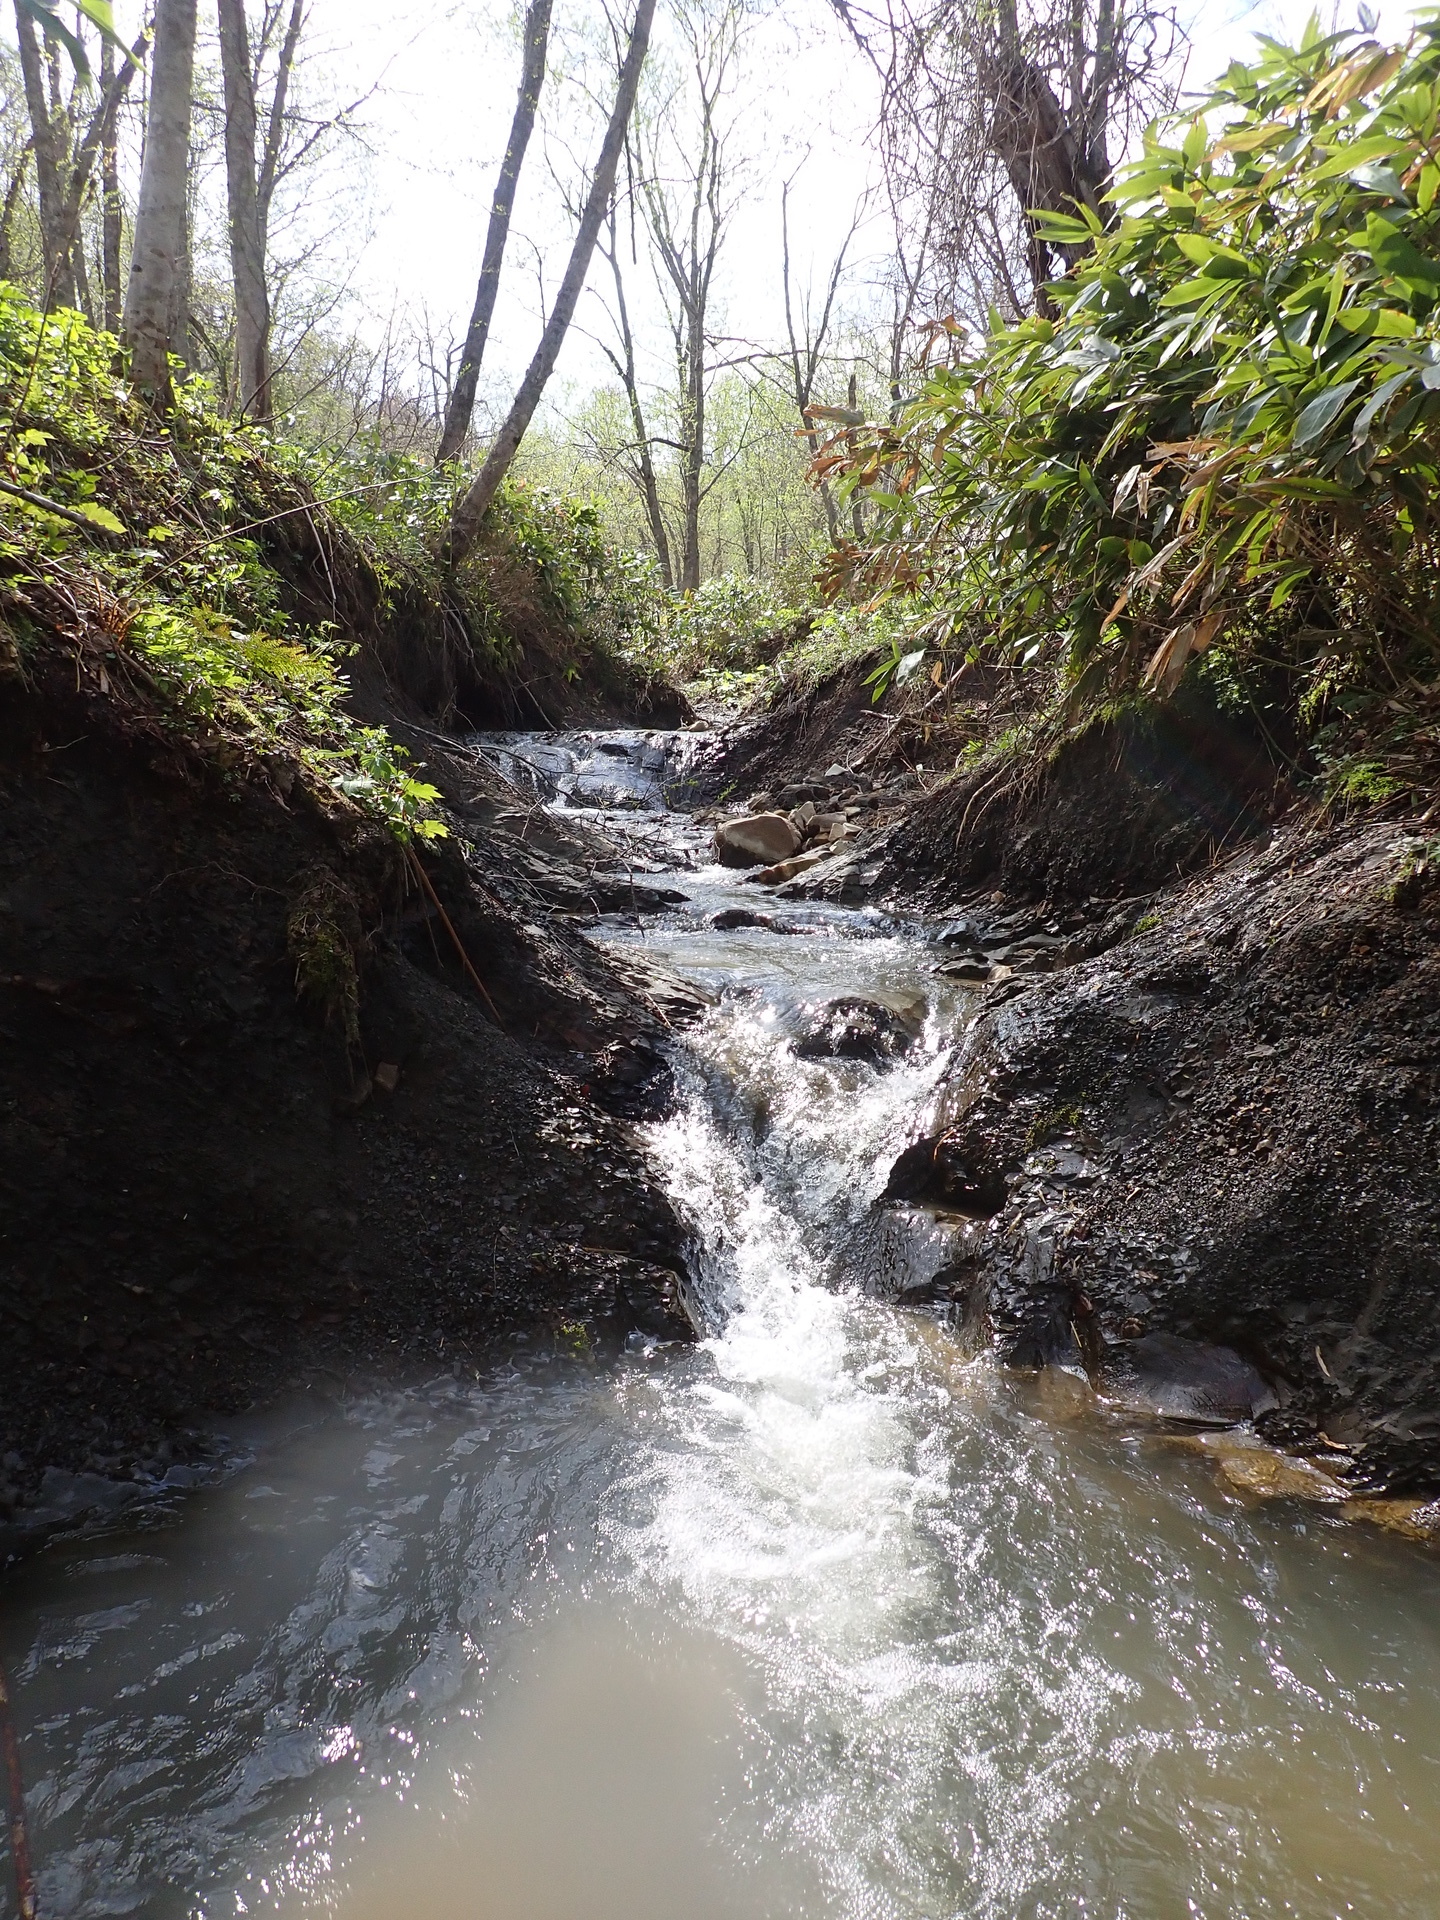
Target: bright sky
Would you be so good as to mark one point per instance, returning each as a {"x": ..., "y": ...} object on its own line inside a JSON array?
[{"x": 445, "y": 77}]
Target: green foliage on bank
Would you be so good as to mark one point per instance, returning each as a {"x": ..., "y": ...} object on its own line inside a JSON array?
[
  {"x": 168, "y": 549},
  {"x": 1224, "y": 441}
]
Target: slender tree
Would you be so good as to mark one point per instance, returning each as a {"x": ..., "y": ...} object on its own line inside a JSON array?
[
  {"x": 461, "y": 408},
  {"x": 638, "y": 460},
  {"x": 472, "y": 506},
  {"x": 247, "y": 246},
  {"x": 66, "y": 145},
  {"x": 112, "y": 211},
  {"x": 158, "y": 260},
  {"x": 687, "y": 192},
  {"x": 49, "y": 135}
]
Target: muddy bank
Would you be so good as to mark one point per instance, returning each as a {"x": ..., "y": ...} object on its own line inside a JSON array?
[
  {"x": 1225, "y": 1128},
  {"x": 213, "y": 1182}
]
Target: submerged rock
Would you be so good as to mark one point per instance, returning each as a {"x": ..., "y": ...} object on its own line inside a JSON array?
[{"x": 855, "y": 1030}]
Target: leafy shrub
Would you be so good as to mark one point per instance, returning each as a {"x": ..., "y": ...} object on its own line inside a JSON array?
[
  {"x": 173, "y": 579},
  {"x": 1226, "y": 435}
]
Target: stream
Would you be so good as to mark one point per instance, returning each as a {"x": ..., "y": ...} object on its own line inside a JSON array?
[{"x": 814, "y": 1619}]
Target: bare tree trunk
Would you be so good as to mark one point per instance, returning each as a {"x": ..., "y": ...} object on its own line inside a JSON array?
[
  {"x": 472, "y": 507},
  {"x": 687, "y": 242},
  {"x": 158, "y": 252},
  {"x": 247, "y": 246},
  {"x": 99, "y": 140},
  {"x": 111, "y": 207},
  {"x": 692, "y": 452},
  {"x": 643, "y": 465},
  {"x": 46, "y": 136},
  {"x": 857, "y": 511},
  {"x": 7, "y": 211},
  {"x": 461, "y": 408}
]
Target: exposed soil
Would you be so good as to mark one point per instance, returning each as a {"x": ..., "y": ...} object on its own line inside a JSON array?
[
  {"x": 1228, "y": 1128},
  {"x": 1123, "y": 808},
  {"x": 208, "y": 1187}
]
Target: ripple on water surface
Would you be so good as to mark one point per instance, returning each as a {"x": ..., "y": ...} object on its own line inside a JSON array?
[{"x": 813, "y": 1621}]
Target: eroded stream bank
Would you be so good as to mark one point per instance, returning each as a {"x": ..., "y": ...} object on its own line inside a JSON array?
[{"x": 819, "y": 1617}]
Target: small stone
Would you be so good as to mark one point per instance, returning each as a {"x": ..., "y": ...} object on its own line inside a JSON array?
[{"x": 387, "y": 1076}]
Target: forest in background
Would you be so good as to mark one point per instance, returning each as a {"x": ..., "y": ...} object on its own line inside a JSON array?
[{"x": 1132, "y": 390}]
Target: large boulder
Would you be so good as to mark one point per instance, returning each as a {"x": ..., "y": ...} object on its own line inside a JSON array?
[{"x": 755, "y": 840}]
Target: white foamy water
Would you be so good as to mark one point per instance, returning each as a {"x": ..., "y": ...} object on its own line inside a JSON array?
[{"x": 816, "y": 1620}]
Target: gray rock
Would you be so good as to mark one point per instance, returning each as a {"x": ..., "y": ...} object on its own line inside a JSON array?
[
  {"x": 755, "y": 840},
  {"x": 1185, "y": 1380}
]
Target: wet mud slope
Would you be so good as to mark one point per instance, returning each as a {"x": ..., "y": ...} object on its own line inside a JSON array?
[
  {"x": 212, "y": 1182},
  {"x": 1224, "y": 1129}
]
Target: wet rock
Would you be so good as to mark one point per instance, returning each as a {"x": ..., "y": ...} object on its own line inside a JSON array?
[
  {"x": 855, "y": 1030},
  {"x": 651, "y": 1302},
  {"x": 939, "y": 1172},
  {"x": 731, "y": 919},
  {"x": 1186, "y": 1380},
  {"x": 755, "y": 840},
  {"x": 774, "y": 876},
  {"x": 974, "y": 968},
  {"x": 1226, "y": 1142}
]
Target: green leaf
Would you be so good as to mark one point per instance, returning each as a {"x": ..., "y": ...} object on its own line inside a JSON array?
[
  {"x": 50, "y": 23},
  {"x": 1394, "y": 253},
  {"x": 1318, "y": 415},
  {"x": 1218, "y": 262},
  {"x": 102, "y": 516},
  {"x": 1352, "y": 154},
  {"x": 1062, "y": 229}
]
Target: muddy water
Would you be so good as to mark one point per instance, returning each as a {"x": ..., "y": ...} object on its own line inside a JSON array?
[{"x": 815, "y": 1620}]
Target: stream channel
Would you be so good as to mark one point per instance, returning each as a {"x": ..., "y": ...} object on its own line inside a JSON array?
[{"x": 813, "y": 1619}]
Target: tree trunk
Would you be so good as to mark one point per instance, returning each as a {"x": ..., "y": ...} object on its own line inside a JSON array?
[
  {"x": 461, "y": 407},
  {"x": 111, "y": 205},
  {"x": 692, "y": 456},
  {"x": 857, "y": 511},
  {"x": 643, "y": 466},
  {"x": 472, "y": 507},
  {"x": 7, "y": 212},
  {"x": 247, "y": 246},
  {"x": 157, "y": 261},
  {"x": 45, "y": 135}
]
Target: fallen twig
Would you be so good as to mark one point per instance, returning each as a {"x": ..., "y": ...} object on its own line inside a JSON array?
[{"x": 434, "y": 900}]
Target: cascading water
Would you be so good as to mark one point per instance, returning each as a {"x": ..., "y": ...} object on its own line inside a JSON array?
[{"x": 817, "y": 1619}]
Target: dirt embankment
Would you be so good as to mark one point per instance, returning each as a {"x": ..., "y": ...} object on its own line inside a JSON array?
[{"x": 212, "y": 1183}]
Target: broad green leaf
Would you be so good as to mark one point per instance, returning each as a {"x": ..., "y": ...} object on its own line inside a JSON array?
[
  {"x": 1318, "y": 415},
  {"x": 1394, "y": 253},
  {"x": 102, "y": 516},
  {"x": 1352, "y": 154}
]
